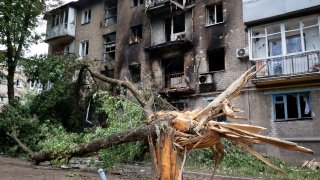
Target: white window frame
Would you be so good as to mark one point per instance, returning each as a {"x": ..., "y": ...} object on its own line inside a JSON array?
[
  {"x": 84, "y": 48},
  {"x": 20, "y": 83},
  {"x": 208, "y": 23},
  {"x": 86, "y": 16},
  {"x": 283, "y": 32}
]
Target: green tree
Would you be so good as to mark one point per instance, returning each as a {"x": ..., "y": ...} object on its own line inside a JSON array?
[{"x": 18, "y": 19}]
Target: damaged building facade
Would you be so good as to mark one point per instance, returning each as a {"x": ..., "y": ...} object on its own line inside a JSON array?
[{"x": 192, "y": 50}]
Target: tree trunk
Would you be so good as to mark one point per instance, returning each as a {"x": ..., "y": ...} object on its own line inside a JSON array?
[{"x": 10, "y": 79}]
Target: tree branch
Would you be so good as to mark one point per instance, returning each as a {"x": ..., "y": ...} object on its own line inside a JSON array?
[{"x": 126, "y": 84}]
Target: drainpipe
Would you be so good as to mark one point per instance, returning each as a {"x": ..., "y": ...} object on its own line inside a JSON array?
[
  {"x": 87, "y": 115},
  {"x": 102, "y": 174}
]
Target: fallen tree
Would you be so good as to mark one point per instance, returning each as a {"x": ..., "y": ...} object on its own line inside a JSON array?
[{"x": 173, "y": 131}]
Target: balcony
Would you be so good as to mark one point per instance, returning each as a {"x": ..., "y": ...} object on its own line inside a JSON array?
[
  {"x": 156, "y": 5},
  {"x": 173, "y": 83},
  {"x": 302, "y": 67},
  {"x": 61, "y": 27}
]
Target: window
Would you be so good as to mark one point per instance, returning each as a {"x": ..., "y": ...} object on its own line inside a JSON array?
[
  {"x": 280, "y": 39},
  {"x": 214, "y": 14},
  {"x": 111, "y": 16},
  {"x": 216, "y": 59},
  {"x": 175, "y": 28},
  {"x": 60, "y": 18},
  {"x": 137, "y": 2},
  {"x": 292, "y": 106},
  {"x": 84, "y": 48},
  {"x": 136, "y": 34},
  {"x": 109, "y": 46},
  {"x": 3, "y": 79},
  {"x": 135, "y": 73},
  {"x": 19, "y": 83},
  {"x": 109, "y": 73},
  {"x": 2, "y": 97},
  {"x": 86, "y": 16}
]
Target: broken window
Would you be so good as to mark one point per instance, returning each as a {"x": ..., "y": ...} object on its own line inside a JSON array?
[
  {"x": 111, "y": 16},
  {"x": 19, "y": 83},
  {"x": 174, "y": 72},
  {"x": 135, "y": 73},
  {"x": 216, "y": 59},
  {"x": 136, "y": 34},
  {"x": 137, "y": 2},
  {"x": 84, "y": 48},
  {"x": 214, "y": 14},
  {"x": 86, "y": 16},
  {"x": 292, "y": 106},
  {"x": 109, "y": 46},
  {"x": 175, "y": 28}
]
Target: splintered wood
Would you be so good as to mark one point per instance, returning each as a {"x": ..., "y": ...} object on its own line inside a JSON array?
[{"x": 200, "y": 129}]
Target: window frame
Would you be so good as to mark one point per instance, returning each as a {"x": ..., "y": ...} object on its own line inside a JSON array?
[
  {"x": 134, "y": 36},
  {"x": 110, "y": 15},
  {"x": 86, "y": 16},
  {"x": 285, "y": 103},
  {"x": 110, "y": 45},
  {"x": 284, "y": 34},
  {"x": 19, "y": 83},
  {"x": 214, "y": 6},
  {"x": 86, "y": 48}
]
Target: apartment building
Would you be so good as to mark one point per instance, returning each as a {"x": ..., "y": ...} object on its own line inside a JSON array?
[{"x": 192, "y": 50}]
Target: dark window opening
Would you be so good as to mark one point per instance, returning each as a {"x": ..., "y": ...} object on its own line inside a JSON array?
[
  {"x": 111, "y": 16},
  {"x": 109, "y": 46},
  {"x": 178, "y": 23},
  {"x": 216, "y": 59},
  {"x": 222, "y": 118},
  {"x": 292, "y": 106},
  {"x": 137, "y": 2},
  {"x": 136, "y": 34},
  {"x": 173, "y": 69},
  {"x": 135, "y": 73}
]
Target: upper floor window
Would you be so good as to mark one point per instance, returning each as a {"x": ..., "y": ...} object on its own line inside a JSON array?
[
  {"x": 279, "y": 39},
  {"x": 84, "y": 48},
  {"x": 86, "y": 16},
  {"x": 216, "y": 59},
  {"x": 175, "y": 28},
  {"x": 136, "y": 34},
  {"x": 2, "y": 97},
  {"x": 109, "y": 46},
  {"x": 60, "y": 18},
  {"x": 19, "y": 83},
  {"x": 292, "y": 106},
  {"x": 214, "y": 14},
  {"x": 111, "y": 16},
  {"x": 137, "y": 2}
]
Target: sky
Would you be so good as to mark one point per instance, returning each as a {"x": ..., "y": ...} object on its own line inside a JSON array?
[{"x": 42, "y": 47}]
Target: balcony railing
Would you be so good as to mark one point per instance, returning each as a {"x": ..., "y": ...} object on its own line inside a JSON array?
[
  {"x": 297, "y": 64},
  {"x": 153, "y": 3},
  {"x": 175, "y": 81}
]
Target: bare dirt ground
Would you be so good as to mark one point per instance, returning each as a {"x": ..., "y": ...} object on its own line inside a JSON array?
[{"x": 17, "y": 169}]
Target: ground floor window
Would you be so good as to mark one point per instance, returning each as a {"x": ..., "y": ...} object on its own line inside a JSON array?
[{"x": 292, "y": 106}]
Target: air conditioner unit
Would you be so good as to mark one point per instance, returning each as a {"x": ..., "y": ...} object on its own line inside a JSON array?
[
  {"x": 205, "y": 78},
  {"x": 242, "y": 53}
]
